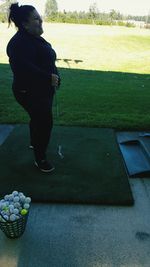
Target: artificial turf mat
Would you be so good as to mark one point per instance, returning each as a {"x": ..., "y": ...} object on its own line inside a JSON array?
[{"x": 91, "y": 172}]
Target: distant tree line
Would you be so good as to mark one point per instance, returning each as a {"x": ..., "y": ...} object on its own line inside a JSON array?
[{"x": 93, "y": 16}]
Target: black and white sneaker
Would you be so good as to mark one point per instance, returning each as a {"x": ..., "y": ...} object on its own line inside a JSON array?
[{"x": 44, "y": 166}]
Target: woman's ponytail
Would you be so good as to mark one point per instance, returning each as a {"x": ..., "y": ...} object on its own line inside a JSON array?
[{"x": 14, "y": 15}]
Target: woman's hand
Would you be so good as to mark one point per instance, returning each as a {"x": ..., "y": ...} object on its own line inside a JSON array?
[{"x": 55, "y": 80}]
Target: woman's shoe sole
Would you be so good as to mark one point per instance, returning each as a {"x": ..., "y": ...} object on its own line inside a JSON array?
[{"x": 43, "y": 170}]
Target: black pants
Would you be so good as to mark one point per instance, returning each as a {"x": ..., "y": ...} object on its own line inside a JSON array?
[{"x": 41, "y": 121}]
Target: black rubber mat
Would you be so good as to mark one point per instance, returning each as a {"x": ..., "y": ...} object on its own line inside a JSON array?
[{"x": 91, "y": 172}]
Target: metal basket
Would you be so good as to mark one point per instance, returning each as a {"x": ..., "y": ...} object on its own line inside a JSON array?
[{"x": 14, "y": 229}]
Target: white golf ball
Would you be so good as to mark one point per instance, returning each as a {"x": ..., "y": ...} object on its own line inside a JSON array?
[
  {"x": 16, "y": 211},
  {"x": 27, "y": 200},
  {"x": 11, "y": 197},
  {"x": 11, "y": 206},
  {"x": 12, "y": 217},
  {"x": 7, "y": 203},
  {"x": 6, "y": 197},
  {"x": 16, "y": 199},
  {"x": 22, "y": 199},
  {"x": 6, "y": 217},
  {"x": 11, "y": 211},
  {"x": 16, "y": 204},
  {"x": 21, "y": 194},
  {"x": 15, "y": 193},
  {"x": 26, "y": 206}
]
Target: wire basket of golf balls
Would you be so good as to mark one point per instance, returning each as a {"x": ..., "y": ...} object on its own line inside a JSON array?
[{"x": 14, "y": 210}]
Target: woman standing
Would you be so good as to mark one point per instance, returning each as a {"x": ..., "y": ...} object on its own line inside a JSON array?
[{"x": 35, "y": 77}]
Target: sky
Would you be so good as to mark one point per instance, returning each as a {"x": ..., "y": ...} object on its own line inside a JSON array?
[{"x": 126, "y": 7}]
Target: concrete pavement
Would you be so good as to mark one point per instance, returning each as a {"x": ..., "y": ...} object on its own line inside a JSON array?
[{"x": 59, "y": 235}]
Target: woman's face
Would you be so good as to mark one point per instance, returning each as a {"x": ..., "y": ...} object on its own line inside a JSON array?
[{"x": 34, "y": 24}]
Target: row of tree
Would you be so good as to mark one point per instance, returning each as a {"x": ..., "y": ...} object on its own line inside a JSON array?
[{"x": 93, "y": 16}]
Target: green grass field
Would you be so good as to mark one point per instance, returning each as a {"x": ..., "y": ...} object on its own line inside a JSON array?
[{"x": 105, "y": 76}]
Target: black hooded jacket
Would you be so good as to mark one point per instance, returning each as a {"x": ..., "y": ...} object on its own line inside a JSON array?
[{"x": 32, "y": 60}]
